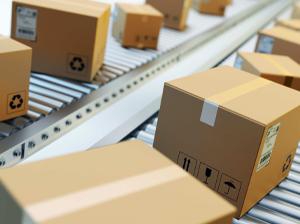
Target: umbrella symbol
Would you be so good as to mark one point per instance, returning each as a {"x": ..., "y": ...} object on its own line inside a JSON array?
[{"x": 230, "y": 185}]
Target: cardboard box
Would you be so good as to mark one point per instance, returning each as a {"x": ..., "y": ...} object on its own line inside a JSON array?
[
  {"x": 280, "y": 41},
  {"x": 137, "y": 25},
  {"x": 296, "y": 12},
  {"x": 277, "y": 68},
  {"x": 293, "y": 24},
  {"x": 238, "y": 132},
  {"x": 175, "y": 12},
  {"x": 214, "y": 7},
  {"x": 124, "y": 183},
  {"x": 68, "y": 37},
  {"x": 15, "y": 64}
]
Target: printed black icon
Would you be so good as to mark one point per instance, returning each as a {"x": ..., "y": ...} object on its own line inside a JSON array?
[
  {"x": 229, "y": 187},
  {"x": 188, "y": 163},
  {"x": 77, "y": 64},
  {"x": 208, "y": 175},
  {"x": 287, "y": 163},
  {"x": 208, "y": 172},
  {"x": 16, "y": 102}
]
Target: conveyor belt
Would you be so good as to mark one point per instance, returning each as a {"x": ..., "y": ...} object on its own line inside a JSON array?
[{"x": 57, "y": 105}]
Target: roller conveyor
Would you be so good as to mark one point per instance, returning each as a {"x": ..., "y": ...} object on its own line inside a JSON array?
[{"x": 58, "y": 104}]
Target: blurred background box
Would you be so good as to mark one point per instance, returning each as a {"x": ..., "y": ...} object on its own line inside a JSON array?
[
  {"x": 280, "y": 41},
  {"x": 68, "y": 38},
  {"x": 139, "y": 180},
  {"x": 277, "y": 68},
  {"x": 137, "y": 25},
  {"x": 175, "y": 12},
  {"x": 293, "y": 24}
]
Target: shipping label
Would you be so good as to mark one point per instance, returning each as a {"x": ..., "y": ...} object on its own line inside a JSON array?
[
  {"x": 268, "y": 147},
  {"x": 26, "y": 23}
]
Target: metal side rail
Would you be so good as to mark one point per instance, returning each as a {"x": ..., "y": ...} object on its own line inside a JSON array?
[{"x": 58, "y": 106}]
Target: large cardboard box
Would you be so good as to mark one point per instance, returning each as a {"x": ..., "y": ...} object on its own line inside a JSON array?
[
  {"x": 214, "y": 7},
  {"x": 293, "y": 24},
  {"x": 234, "y": 131},
  {"x": 15, "y": 64},
  {"x": 68, "y": 37},
  {"x": 175, "y": 12},
  {"x": 281, "y": 41},
  {"x": 124, "y": 183},
  {"x": 277, "y": 68},
  {"x": 296, "y": 12},
  {"x": 137, "y": 25}
]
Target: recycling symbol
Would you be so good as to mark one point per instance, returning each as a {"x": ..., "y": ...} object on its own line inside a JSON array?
[
  {"x": 16, "y": 102},
  {"x": 287, "y": 163},
  {"x": 77, "y": 64}
]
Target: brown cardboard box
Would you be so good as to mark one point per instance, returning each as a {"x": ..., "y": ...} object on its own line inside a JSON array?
[
  {"x": 175, "y": 12},
  {"x": 293, "y": 24},
  {"x": 124, "y": 183},
  {"x": 137, "y": 25},
  {"x": 277, "y": 68},
  {"x": 68, "y": 37},
  {"x": 238, "y": 132},
  {"x": 15, "y": 64},
  {"x": 281, "y": 41},
  {"x": 215, "y": 7},
  {"x": 296, "y": 12}
]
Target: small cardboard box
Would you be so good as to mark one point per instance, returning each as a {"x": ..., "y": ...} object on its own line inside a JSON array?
[
  {"x": 296, "y": 12},
  {"x": 277, "y": 68},
  {"x": 15, "y": 64},
  {"x": 137, "y": 25},
  {"x": 234, "y": 131},
  {"x": 293, "y": 24},
  {"x": 68, "y": 38},
  {"x": 175, "y": 12},
  {"x": 280, "y": 41},
  {"x": 214, "y": 7},
  {"x": 124, "y": 183}
]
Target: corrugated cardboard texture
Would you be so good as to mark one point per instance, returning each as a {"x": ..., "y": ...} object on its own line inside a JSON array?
[
  {"x": 58, "y": 29},
  {"x": 64, "y": 176},
  {"x": 286, "y": 41},
  {"x": 14, "y": 86},
  {"x": 296, "y": 12},
  {"x": 137, "y": 25},
  {"x": 277, "y": 68},
  {"x": 293, "y": 24},
  {"x": 227, "y": 155},
  {"x": 175, "y": 12}
]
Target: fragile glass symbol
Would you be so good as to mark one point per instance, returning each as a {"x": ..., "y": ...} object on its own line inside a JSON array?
[{"x": 207, "y": 174}]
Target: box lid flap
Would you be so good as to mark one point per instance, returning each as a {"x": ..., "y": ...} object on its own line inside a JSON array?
[
  {"x": 250, "y": 96},
  {"x": 269, "y": 64},
  {"x": 10, "y": 45},
  {"x": 293, "y": 23},
  {"x": 282, "y": 33}
]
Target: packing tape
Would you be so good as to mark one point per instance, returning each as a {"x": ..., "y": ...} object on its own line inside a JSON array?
[
  {"x": 74, "y": 202},
  {"x": 281, "y": 68},
  {"x": 211, "y": 104}
]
